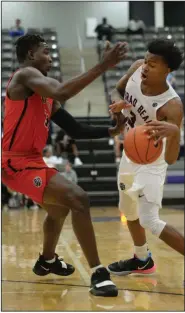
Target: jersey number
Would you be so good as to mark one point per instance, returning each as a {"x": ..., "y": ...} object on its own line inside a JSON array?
[{"x": 132, "y": 119}]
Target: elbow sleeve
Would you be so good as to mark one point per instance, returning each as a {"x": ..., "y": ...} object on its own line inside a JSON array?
[{"x": 75, "y": 130}]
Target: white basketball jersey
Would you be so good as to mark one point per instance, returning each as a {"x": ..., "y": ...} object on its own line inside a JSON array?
[{"x": 144, "y": 108}]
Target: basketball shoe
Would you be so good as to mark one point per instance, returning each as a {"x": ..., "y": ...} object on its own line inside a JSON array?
[
  {"x": 102, "y": 285},
  {"x": 133, "y": 265},
  {"x": 59, "y": 267}
]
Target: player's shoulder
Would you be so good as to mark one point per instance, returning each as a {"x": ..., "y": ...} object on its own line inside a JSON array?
[
  {"x": 124, "y": 80},
  {"x": 17, "y": 87},
  {"x": 173, "y": 109},
  {"x": 175, "y": 103},
  {"x": 137, "y": 63},
  {"x": 27, "y": 72},
  {"x": 134, "y": 67}
]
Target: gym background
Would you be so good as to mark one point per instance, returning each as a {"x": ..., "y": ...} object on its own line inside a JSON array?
[{"x": 76, "y": 44}]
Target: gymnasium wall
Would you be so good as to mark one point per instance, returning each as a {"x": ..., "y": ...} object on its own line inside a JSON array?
[
  {"x": 142, "y": 9},
  {"x": 65, "y": 17},
  {"x": 174, "y": 13}
]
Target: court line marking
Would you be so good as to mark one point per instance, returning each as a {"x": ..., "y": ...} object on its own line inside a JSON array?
[
  {"x": 72, "y": 285},
  {"x": 84, "y": 274}
]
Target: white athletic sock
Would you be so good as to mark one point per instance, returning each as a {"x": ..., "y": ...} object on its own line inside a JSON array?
[
  {"x": 93, "y": 269},
  {"x": 51, "y": 261},
  {"x": 142, "y": 252}
]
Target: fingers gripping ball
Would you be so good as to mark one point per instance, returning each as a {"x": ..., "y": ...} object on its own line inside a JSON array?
[{"x": 139, "y": 149}]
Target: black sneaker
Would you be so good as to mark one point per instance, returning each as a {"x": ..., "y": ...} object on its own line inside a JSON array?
[
  {"x": 133, "y": 265},
  {"x": 101, "y": 284},
  {"x": 59, "y": 267}
]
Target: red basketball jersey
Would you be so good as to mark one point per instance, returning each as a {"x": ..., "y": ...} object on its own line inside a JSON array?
[{"x": 26, "y": 124}]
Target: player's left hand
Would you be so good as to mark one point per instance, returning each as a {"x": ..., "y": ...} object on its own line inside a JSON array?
[
  {"x": 116, "y": 107},
  {"x": 159, "y": 130}
]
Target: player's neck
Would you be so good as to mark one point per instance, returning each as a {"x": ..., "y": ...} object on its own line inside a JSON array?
[
  {"x": 154, "y": 90},
  {"x": 26, "y": 64}
]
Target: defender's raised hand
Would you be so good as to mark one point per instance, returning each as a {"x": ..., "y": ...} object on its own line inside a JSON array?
[{"x": 114, "y": 55}]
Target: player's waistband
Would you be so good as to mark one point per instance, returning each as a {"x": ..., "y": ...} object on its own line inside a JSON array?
[{"x": 20, "y": 154}]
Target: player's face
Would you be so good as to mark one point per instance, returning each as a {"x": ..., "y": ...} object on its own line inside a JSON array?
[
  {"x": 42, "y": 58},
  {"x": 154, "y": 69}
]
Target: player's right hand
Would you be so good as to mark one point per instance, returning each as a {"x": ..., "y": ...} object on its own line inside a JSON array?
[
  {"x": 118, "y": 106},
  {"x": 114, "y": 55}
]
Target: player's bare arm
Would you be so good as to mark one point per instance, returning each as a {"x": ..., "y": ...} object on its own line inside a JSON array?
[
  {"x": 119, "y": 91},
  {"x": 172, "y": 113},
  {"x": 31, "y": 78},
  {"x": 78, "y": 131}
]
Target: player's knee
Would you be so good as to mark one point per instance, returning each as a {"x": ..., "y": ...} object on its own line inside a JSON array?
[
  {"x": 155, "y": 225},
  {"x": 79, "y": 200},
  {"x": 131, "y": 217},
  {"x": 74, "y": 198},
  {"x": 83, "y": 199}
]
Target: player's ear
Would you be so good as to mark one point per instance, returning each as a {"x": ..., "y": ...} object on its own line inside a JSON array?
[{"x": 30, "y": 55}]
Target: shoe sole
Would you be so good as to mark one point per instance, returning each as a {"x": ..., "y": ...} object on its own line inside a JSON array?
[
  {"x": 40, "y": 274},
  {"x": 139, "y": 272},
  {"x": 47, "y": 273}
]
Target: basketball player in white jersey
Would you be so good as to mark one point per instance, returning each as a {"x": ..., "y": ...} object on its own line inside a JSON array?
[{"x": 156, "y": 104}]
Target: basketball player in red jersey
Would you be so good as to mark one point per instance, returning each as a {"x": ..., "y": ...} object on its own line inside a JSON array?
[
  {"x": 31, "y": 100},
  {"x": 156, "y": 105}
]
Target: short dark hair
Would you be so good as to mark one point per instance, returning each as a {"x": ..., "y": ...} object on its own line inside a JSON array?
[
  {"x": 26, "y": 43},
  {"x": 167, "y": 49}
]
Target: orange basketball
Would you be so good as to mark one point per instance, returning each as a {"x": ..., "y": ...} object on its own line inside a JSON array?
[{"x": 139, "y": 148}]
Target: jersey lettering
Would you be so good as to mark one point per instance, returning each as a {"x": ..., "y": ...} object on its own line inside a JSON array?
[
  {"x": 143, "y": 112},
  {"x": 139, "y": 110},
  {"x": 132, "y": 119},
  {"x": 130, "y": 100}
]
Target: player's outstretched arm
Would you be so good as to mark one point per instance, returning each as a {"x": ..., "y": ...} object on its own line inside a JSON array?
[
  {"x": 48, "y": 87},
  {"x": 77, "y": 130}
]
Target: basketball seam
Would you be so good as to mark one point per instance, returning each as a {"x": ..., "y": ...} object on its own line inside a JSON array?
[
  {"x": 154, "y": 155},
  {"x": 130, "y": 156},
  {"x": 136, "y": 146},
  {"x": 147, "y": 150}
]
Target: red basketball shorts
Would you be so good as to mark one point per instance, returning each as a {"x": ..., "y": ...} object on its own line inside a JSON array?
[{"x": 28, "y": 175}]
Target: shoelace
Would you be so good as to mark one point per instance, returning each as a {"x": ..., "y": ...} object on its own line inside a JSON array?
[
  {"x": 105, "y": 275},
  {"x": 60, "y": 259},
  {"x": 126, "y": 262}
]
